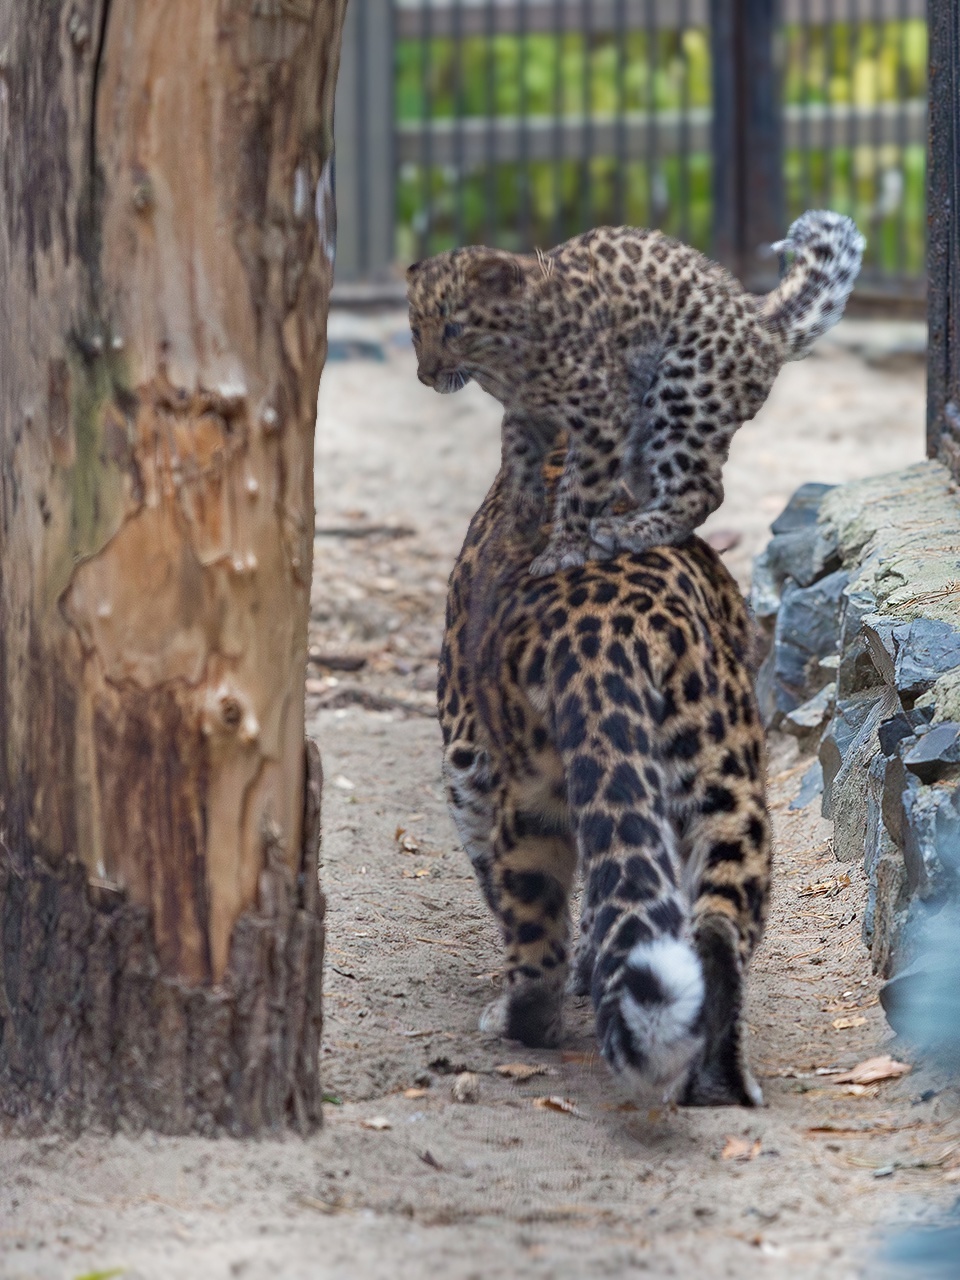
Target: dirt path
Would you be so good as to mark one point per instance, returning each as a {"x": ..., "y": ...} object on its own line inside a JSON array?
[{"x": 404, "y": 1181}]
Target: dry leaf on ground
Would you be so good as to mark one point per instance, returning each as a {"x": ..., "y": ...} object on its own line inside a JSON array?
[
  {"x": 845, "y": 1024},
  {"x": 556, "y": 1103},
  {"x": 520, "y": 1071},
  {"x": 406, "y": 841},
  {"x": 376, "y": 1122},
  {"x": 831, "y": 887},
  {"x": 309, "y": 1202},
  {"x": 415, "y": 1093},
  {"x": 883, "y": 1068},
  {"x": 740, "y": 1149}
]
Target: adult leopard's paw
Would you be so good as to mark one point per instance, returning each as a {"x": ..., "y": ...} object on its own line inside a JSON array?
[{"x": 531, "y": 1014}]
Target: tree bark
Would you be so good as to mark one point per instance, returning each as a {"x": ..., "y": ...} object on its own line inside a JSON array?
[{"x": 166, "y": 247}]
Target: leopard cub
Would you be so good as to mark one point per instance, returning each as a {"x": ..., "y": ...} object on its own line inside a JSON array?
[{"x": 645, "y": 353}]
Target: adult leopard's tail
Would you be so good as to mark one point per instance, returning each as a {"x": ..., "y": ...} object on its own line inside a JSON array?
[
  {"x": 637, "y": 956},
  {"x": 827, "y": 250}
]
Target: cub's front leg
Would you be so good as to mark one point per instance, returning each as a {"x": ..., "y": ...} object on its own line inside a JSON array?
[
  {"x": 525, "y": 442},
  {"x": 580, "y": 494}
]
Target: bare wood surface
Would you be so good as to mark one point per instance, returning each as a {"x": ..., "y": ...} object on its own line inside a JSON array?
[{"x": 166, "y": 243}]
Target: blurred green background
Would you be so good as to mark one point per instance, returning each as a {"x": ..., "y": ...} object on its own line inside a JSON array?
[{"x": 870, "y": 66}]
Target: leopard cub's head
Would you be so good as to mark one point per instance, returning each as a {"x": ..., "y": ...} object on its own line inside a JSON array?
[{"x": 470, "y": 318}]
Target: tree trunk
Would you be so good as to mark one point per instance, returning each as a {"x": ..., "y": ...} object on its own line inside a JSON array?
[{"x": 165, "y": 262}]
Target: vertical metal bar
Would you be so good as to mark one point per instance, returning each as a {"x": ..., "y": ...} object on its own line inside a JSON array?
[
  {"x": 378, "y": 159},
  {"x": 620, "y": 128},
  {"x": 853, "y": 47},
  {"x": 426, "y": 131},
  {"x": 943, "y": 251},
  {"x": 902, "y": 91},
  {"x": 523, "y": 140},
  {"x": 349, "y": 152},
  {"x": 684, "y": 159},
  {"x": 586, "y": 194},
  {"x": 877, "y": 144},
  {"x": 556, "y": 137},
  {"x": 653, "y": 214},
  {"x": 459, "y": 230},
  {"x": 365, "y": 152},
  {"x": 363, "y": 130},
  {"x": 490, "y": 146},
  {"x": 828, "y": 50},
  {"x": 805, "y": 162},
  {"x": 746, "y": 137}
]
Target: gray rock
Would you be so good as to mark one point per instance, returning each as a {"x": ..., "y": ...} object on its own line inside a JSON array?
[
  {"x": 884, "y": 916},
  {"x": 802, "y": 509},
  {"x": 848, "y": 720},
  {"x": 846, "y": 760},
  {"x": 896, "y": 783},
  {"x": 812, "y": 715},
  {"x": 811, "y": 786},
  {"x": 807, "y": 630},
  {"x": 803, "y": 555},
  {"x": 931, "y": 845},
  {"x": 878, "y": 636},
  {"x": 926, "y": 649},
  {"x": 766, "y": 690},
  {"x": 891, "y": 901},
  {"x": 764, "y": 587},
  {"x": 856, "y": 670},
  {"x": 892, "y": 732},
  {"x": 935, "y": 752}
]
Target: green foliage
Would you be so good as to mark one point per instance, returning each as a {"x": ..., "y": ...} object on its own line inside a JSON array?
[{"x": 864, "y": 64}]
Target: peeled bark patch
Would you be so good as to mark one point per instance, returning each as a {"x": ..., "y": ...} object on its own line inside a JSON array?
[{"x": 165, "y": 264}]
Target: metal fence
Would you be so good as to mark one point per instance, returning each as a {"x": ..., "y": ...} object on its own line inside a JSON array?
[
  {"x": 943, "y": 360},
  {"x": 520, "y": 122}
]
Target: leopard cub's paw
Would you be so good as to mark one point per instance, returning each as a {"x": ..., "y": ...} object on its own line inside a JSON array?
[
  {"x": 558, "y": 556},
  {"x": 613, "y": 534}
]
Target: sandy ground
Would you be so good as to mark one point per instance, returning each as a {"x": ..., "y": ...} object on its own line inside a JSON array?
[{"x": 405, "y": 1181}]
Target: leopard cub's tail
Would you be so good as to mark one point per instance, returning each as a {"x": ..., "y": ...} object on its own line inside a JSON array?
[{"x": 827, "y": 250}]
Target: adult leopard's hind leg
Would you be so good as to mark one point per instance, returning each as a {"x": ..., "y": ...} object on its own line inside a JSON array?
[
  {"x": 534, "y": 862},
  {"x": 470, "y": 783},
  {"x": 721, "y": 1076},
  {"x": 728, "y": 839}
]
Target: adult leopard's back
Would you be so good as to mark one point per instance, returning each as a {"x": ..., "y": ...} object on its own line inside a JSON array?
[{"x": 606, "y": 715}]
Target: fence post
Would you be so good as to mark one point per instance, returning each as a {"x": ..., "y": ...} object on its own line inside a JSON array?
[
  {"x": 746, "y": 138},
  {"x": 363, "y": 131},
  {"x": 943, "y": 250}
]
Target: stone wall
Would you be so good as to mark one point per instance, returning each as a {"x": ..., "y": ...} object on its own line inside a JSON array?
[{"x": 859, "y": 593}]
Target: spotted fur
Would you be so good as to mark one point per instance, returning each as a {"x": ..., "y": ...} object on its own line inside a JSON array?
[
  {"x": 646, "y": 354},
  {"x": 605, "y": 717}
]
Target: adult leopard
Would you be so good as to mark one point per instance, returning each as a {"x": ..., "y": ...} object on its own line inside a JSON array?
[{"x": 605, "y": 715}]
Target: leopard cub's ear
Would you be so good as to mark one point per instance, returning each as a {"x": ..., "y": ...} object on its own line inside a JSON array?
[
  {"x": 413, "y": 269},
  {"x": 498, "y": 274}
]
